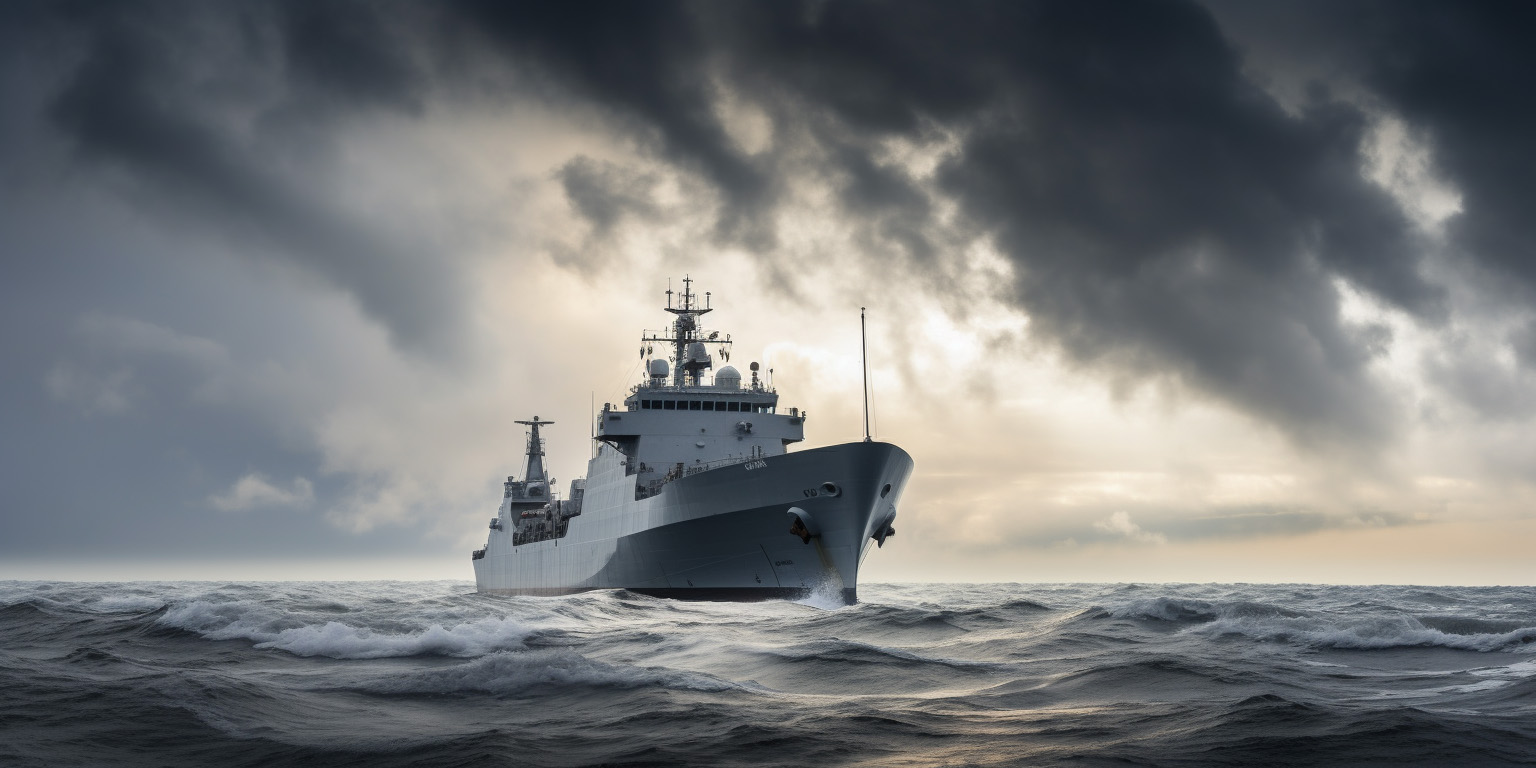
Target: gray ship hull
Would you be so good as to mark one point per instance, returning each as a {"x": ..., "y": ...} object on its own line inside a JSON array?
[{"x": 719, "y": 534}]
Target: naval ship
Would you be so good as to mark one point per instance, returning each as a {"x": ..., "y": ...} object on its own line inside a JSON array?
[{"x": 692, "y": 491}]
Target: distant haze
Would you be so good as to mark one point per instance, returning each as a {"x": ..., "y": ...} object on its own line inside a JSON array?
[{"x": 1157, "y": 290}]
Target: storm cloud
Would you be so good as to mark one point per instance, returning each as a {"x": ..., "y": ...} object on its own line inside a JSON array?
[
  {"x": 1178, "y": 196},
  {"x": 1164, "y": 214}
]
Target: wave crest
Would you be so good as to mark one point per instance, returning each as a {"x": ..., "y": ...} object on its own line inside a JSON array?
[
  {"x": 338, "y": 640},
  {"x": 1402, "y": 632},
  {"x": 508, "y": 672}
]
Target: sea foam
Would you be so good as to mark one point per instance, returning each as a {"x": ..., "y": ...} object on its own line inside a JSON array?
[
  {"x": 1365, "y": 634},
  {"x": 244, "y": 621}
]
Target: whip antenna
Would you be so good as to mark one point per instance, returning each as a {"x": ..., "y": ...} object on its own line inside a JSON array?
[{"x": 864, "y": 363}]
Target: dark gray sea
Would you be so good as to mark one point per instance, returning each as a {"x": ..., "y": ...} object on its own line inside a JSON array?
[{"x": 414, "y": 673}]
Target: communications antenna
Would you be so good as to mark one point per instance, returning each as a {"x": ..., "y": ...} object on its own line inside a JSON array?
[{"x": 864, "y": 363}]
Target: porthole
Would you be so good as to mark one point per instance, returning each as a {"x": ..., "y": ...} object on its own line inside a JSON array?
[{"x": 885, "y": 491}]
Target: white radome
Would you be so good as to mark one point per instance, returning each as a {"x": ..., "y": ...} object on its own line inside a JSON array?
[{"x": 728, "y": 378}]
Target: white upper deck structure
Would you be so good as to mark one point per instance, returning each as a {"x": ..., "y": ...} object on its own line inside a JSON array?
[{"x": 681, "y": 420}]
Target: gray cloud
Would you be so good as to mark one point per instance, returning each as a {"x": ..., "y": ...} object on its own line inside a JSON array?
[
  {"x": 1473, "y": 375},
  {"x": 166, "y": 163},
  {"x": 1144, "y": 526},
  {"x": 603, "y": 192},
  {"x": 1458, "y": 72},
  {"x": 650, "y": 65},
  {"x": 1166, "y": 217},
  {"x": 222, "y": 119}
]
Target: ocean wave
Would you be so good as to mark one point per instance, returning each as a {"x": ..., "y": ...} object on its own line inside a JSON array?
[
  {"x": 1147, "y": 674},
  {"x": 1371, "y": 634},
  {"x": 1178, "y": 609},
  {"x": 898, "y": 618},
  {"x": 128, "y": 604},
  {"x": 26, "y": 610},
  {"x": 833, "y": 649},
  {"x": 404, "y": 674},
  {"x": 1517, "y": 671},
  {"x": 339, "y": 640},
  {"x": 511, "y": 672},
  {"x": 1027, "y": 606},
  {"x": 1163, "y": 609}
]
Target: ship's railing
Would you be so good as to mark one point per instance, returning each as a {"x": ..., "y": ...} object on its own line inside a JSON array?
[
  {"x": 551, "y": 522},
  {"x": 761, "y": 389},
  {"x": 717, "y": 463},
  {"x": 651, "y": 488}
]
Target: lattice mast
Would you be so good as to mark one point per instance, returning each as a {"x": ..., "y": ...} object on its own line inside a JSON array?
[{"x": 690, "y": 356}]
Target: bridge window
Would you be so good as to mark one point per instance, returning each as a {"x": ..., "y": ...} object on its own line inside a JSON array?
[
  {"x": 732, "y": 407},
  {"x": 694, "y": 405},
  {"x": 669, "y": 405}
]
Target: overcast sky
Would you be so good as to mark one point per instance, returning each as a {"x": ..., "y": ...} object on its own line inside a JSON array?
[{"x": 1158, "y": 290}]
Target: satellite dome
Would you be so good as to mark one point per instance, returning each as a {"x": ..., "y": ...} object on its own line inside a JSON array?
[
  {"x": 658, "y": 369},
  {"x": 728, "y": 378}
]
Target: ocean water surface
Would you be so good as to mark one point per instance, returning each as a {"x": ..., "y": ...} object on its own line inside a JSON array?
[{"x": 431, "y": 673}]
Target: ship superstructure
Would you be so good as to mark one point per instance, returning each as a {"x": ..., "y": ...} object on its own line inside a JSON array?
[{"x": 692, "y": 491}]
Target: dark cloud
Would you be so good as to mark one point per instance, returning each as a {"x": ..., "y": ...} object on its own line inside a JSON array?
[
  {"x": 649, "y": 63},
  {"x": 603, "y": 192},
  {"x": 347, "y": 51},
  {"x": 1463, "y": 72},
  {"x": 160, "y": 158},
  {"x": 1165, "y": 216},
  {"x": 1456, "y": 73},
  {"x": 191, "y": 111}
]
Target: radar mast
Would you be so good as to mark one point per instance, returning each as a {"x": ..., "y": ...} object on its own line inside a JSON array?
[
  {"x": 534, "y": 473},
  {"x": 690, "y": 357}
]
